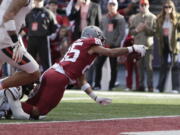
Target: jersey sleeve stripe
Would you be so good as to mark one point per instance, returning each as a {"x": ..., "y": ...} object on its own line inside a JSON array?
[{"x": 9, "y": 52}]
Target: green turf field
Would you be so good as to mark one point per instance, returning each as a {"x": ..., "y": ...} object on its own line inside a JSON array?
[{"x": 76, "y": 105}]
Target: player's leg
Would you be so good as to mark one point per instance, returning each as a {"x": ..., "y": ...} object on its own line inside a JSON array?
[
  {"x": 3, "y": 102},
  {"x": 4, "y": 106},
  {"x": 30, "y": 69},
  {"x": 51, "y": 91},
  {"x": 13, "y": 94}
]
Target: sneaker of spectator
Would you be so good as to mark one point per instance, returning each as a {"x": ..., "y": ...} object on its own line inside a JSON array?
[
  {"x": 127, "y": 89},
  {"x": 96, "y": 88}
]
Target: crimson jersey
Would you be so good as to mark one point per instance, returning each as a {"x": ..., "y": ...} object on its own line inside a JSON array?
[{"x": 77, "y": 59}]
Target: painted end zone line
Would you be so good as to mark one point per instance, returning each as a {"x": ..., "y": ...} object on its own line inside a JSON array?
[
  {"x": 95, "y": 120},
  {"x": 137, "y": 126}
]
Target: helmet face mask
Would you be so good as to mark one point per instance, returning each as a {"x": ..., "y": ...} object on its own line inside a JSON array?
[{"x": 93, "y": 32}]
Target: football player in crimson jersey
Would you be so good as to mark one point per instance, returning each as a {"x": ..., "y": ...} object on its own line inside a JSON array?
[{"x": 70, "y": 70}]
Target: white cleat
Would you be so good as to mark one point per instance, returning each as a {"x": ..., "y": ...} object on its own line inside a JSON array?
[{"x": 13, "y": 96}]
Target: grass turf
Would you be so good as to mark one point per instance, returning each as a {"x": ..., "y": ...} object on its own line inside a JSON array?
[{"x": 76, "y": 105}]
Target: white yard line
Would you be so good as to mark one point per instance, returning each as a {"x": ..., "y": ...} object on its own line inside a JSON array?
[
  {"x": 75, "y": 98},
  {"x": 154, "y": 95}
]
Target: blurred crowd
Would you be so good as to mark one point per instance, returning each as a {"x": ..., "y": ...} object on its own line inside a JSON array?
[{"x": 53, "y": 25}]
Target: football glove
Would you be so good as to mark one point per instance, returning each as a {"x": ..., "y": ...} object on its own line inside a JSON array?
[
  {"x": 141, "y": 49},
  {"x": 103, "y": 101},
  {"x": 18, "y": 51}
]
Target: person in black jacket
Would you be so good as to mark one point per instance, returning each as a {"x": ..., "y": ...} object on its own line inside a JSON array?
[
  {"x": 84, "y": 13},
  {"x": 40, "y": 23}
]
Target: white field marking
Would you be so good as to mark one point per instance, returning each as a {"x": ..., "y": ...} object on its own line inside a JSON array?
[
  {"x": 80, "y": 98},
  {"x": 95, "y": 120},
  {"x": 169, "y": 132},
  {"x": 75, "y": 98},
  {"x": 151, "y": 95}
]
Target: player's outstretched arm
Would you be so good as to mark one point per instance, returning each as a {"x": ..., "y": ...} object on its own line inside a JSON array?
[
  {"x": 85, "y": 86},
  {"x": 118, "y": 51}
]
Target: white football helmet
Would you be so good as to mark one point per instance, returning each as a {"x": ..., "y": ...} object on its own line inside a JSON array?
[{"x": 93, "y": 32}]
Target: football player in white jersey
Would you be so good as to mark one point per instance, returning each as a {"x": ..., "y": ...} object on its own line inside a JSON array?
[{"x": 12, "y": 51}]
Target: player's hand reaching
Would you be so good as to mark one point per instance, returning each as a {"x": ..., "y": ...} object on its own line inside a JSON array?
[
  {"x": 103, "y": 101},
  {"x": 141, "y": 49},
  {"x": 18, "y": 51}
]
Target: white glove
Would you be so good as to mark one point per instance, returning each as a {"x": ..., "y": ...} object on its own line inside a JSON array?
[
  {"x": 137, "y": 48},
  {"x": 18, "y": 51},
  {"x": 103, "y": 101}
]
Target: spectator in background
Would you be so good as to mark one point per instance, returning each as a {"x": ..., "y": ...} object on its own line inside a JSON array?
[
  {"x": 142, "y": 27},
  {"x": 168, "y": 28},
  {"x": 62, "y": 5},
  {"x": 56, "y": 39},
  {"x": 127, "y": 8},
  {"x": 131, "y": 63},
  {"x": 60, "y": 44},
  {"x": 113, "y": 26},
  {"x": 53, "y": 6},
  {"x": 84, "y": 13},
  {"x": 104, "y": 4},
  {"x": 40, "y": 23},
  {"x": 63, "y": 41},
  {"x": 62, "y": 19},
  {"x": 90, "y": 74}
]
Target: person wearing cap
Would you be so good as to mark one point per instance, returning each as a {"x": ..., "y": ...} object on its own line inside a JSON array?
[
  {"x": 143, "y": 27},
  {"x": 53, "y": 6},
  {"x": 113, "y": 25}
]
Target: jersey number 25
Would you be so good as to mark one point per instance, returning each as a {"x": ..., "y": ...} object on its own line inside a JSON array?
[{"x": 73, "y": 53}]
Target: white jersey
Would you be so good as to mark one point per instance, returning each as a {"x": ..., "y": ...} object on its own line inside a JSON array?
[{"x": 5, "y": 40}]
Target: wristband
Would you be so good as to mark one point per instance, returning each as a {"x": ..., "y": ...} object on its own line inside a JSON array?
[
  {"x": 10, "y": 25},
  {"x": 93, "y": 96},
  {"x": 85, "y": 86}
]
